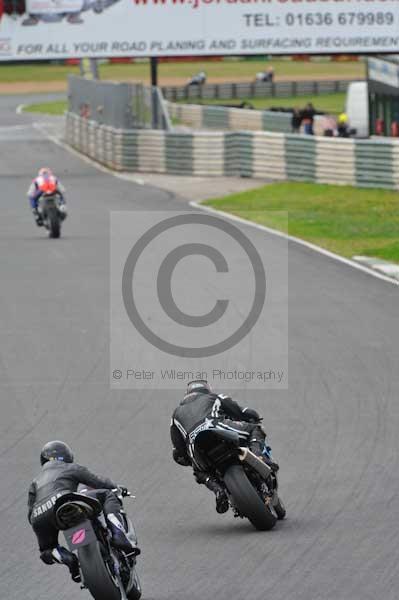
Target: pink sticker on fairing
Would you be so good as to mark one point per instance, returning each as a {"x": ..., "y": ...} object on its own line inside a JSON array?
[{"x": 79, "y": 536}]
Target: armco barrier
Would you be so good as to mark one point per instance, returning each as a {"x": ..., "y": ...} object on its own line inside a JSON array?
[
  {"x": 254, "y": 89},
  {"x": 277, "y": 156}
]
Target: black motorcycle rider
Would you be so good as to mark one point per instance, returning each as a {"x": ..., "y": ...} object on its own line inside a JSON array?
[
  {"x": 61, "y": 475},
  {"x": 201, "y": 404}
]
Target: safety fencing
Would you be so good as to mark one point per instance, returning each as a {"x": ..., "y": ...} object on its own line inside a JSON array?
[
  {"x": 254, "y": 89},
  {"x": 276, "y": 156},
  {"x": 119, "y": 105},
  {"x": 225, "y": 118}
]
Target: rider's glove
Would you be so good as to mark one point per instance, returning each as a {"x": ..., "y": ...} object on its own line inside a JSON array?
[
  {"x": 251, "y": 415},
  {"x": 182, "y": 460},
  {"x": 123, "y": 491}
]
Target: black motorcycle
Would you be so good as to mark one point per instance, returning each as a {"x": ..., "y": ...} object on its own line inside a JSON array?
[
  {"x": 52, "y": 212},
  {"x": 251, "y": 484},
  {"x": 108, "y": 573}
]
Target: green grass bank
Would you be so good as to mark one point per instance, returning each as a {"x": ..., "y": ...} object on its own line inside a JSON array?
[{"x": 346, "y": 220}]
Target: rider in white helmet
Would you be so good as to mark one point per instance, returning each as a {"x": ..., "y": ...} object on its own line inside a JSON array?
[{"x": 45, "y": 183}]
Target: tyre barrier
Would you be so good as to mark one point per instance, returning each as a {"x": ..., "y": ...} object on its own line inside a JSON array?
[
  {"x": 260, "y": 154},
  {"x": 197, "y": 116}
]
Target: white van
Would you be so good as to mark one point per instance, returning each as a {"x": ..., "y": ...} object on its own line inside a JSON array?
[{"x": 357, "y": 108}]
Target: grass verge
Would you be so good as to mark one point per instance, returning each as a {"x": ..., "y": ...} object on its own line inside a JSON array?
[
  {"x": 178, "y": 70},
  {"x": 58, "y": 107},
  {"x": 329, "y": 103},
  {"x": 346, "y": 220}
]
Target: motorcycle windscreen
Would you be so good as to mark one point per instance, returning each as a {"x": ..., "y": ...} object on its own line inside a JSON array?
[
  {"x": 80, "y": 535},
  {"x": 48, "y": 7}
]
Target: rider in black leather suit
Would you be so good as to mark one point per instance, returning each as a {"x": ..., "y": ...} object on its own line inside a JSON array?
[
  {"x": 60, "y": 475},
  {"x": 199, "y": 404}
]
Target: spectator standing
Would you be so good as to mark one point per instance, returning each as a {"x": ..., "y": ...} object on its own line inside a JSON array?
[
  {"x": 343, "y": 125},
  {"x": 308, "y": 114},
  {"x": 296, "y": 120},
  {"x": 329, "y": 126}
]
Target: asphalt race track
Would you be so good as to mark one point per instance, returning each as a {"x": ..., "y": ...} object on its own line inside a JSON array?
[{"x": 335, "y": 432}]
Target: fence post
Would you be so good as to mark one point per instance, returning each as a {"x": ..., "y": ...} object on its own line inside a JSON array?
[{"x": 154, "y": 97}]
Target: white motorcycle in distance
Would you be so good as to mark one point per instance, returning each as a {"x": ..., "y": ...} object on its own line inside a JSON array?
[
  {"x": 198, "y": 79},
  {"x": 108, "y": 573},
  {"x": 265, "y": 76}
]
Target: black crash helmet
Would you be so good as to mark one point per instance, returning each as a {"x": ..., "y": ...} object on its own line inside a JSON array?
[
  {"x": 199, "y": 385},
  {"x": 56, "y": 451}
]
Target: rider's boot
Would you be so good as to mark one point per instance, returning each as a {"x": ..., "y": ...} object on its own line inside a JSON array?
[
  {"x": 37, "y": 217},
  {"x": 63, "y": 211},
  {"x": 119, "y": 538},
  {"x": 64, "y": 557},
  {"x": 269, "y": 460},
  {"x": 222, "y": 502},
  {"x": 258, "y": 446}
]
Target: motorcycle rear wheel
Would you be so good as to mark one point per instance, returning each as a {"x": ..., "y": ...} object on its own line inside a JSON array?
[
  {"x": 54, "y": 223},
  {"x": 135, "y": 592},
  {"x": 280, "y": 509},
  {"x": 96, "y": 576},
  {"x": 247, "y": 500}
]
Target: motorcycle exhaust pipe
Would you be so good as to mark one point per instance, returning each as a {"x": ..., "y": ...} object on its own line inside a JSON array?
[{"x": 256, "y": 463}]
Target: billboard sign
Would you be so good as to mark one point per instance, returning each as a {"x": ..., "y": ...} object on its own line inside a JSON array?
[
  {"x": 384, "y": 71},
  {"x": 52, "y": 29}
]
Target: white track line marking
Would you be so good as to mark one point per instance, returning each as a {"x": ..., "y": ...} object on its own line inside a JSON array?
[
  {"x": 275, "y": 232},
  {"x": 20, "y": 108},
  {"x": 197, "y": 205},
  {"x": 15, "y": 127}
]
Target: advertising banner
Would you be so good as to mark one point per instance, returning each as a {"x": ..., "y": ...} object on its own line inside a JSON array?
[
  {"x": 383, "y": 71},
  {"x": 51, "y": 29}
]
